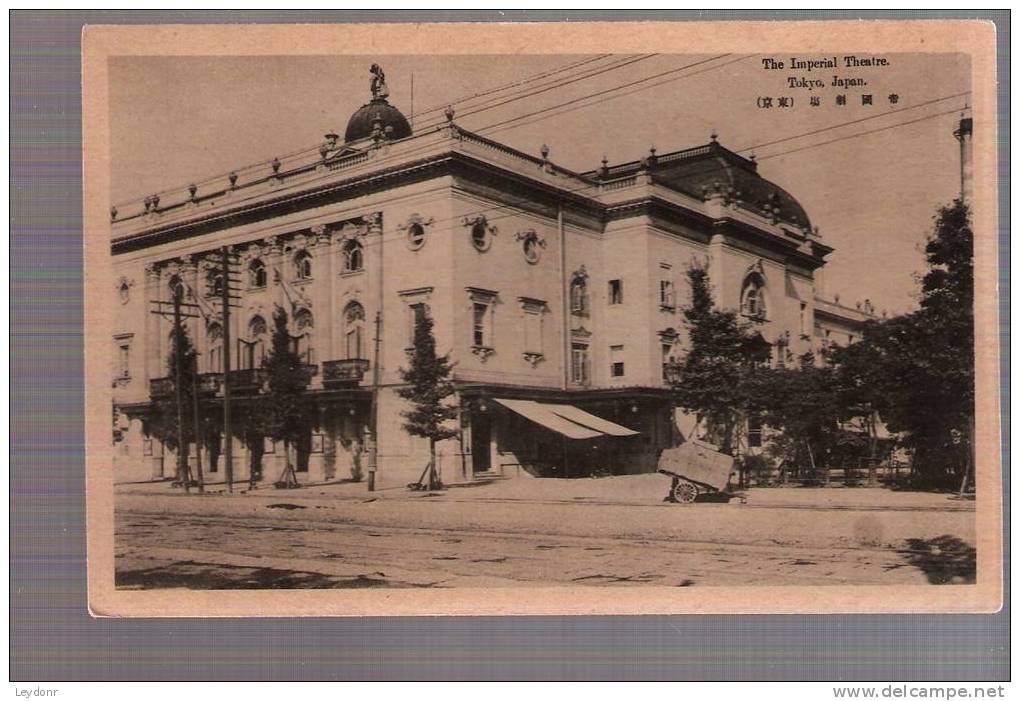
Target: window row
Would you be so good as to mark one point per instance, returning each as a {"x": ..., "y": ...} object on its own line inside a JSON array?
[
  {"x": 301, "y": 267},
  {"x": 252, "y": 349},
  {"x": 580, "y": 363},
  {"x": 480, "y": 234}
]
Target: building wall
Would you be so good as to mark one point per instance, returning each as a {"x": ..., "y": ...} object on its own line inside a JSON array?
[
  {"x": 450, "y": 274},
  {"x": 520, "y": 287}
]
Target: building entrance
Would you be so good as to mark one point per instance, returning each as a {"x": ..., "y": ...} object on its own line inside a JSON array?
[{"x": 481, "y": 436}]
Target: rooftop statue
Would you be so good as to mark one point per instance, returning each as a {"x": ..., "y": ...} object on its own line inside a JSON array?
[{"x": 378, "y": 83}]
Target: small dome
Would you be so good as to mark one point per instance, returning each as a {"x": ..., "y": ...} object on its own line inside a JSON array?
[{"x": 363, "y": 121}]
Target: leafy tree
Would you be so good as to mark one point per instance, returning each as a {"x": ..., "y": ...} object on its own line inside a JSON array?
[
  {"x": 428, "y": 389},
  {"x": 714, "y": 380},
  {"x": 169, "y": 422},
  {"x": 917, "y": 370},
  {"x": 284, "y": 410},
  {"x": 800, "y": 404}
]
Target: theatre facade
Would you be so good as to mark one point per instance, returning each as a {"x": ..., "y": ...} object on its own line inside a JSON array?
[{"x": 558, "y": 295}]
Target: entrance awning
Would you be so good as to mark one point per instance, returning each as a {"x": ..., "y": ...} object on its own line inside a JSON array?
[
  {"x": 579, "y": 416},
  {"x": 565, "y": 419}
]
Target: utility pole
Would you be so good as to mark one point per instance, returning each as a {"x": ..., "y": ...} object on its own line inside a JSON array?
[
  {"x": 198, "y": 430},
  {"x": 373, "y": 448},
  {"x": 182, "y": 449},
  {"x": 228, "y": 448}
]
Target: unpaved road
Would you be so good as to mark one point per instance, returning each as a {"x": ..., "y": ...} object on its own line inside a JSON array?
[{"x": 280, "y": 541}]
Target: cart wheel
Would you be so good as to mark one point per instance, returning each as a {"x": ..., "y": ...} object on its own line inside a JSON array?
[{"x": 685, "y": 492}]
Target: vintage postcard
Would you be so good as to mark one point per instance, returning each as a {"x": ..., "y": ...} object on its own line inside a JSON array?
[{"x": 542, "y": 318}]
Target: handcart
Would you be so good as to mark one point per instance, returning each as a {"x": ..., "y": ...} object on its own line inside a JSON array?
[{"x": 697, "y": 468}]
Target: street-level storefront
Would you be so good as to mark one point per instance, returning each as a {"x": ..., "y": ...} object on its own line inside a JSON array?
[{"x": 563, "y": 434}]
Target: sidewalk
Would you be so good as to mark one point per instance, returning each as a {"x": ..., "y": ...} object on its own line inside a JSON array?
[{"x": 645, "y": 489}]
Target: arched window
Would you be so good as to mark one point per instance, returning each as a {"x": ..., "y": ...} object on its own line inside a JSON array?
[
  {"x": 579, "y": 296},
  {"x": 752, "y": 298},
  {"x": 354, "y": 330},
  {"x": 257, "y": 276},
  {"x": 214, "y": 280},
  {"x": 354, "y": 256},
  {"x": 253, "y": 350},
  {"x": 304, "y": 325},
  {"x": 214, "y": 344},
  {"x": 303, "y": 265}
]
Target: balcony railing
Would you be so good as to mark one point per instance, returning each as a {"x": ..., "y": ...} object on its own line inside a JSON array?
[
  {"x": 160, "y": 387},
  {"x": 350, "y": 371},
  {"x": 671, "y": 373},
  {"x": 209, "y": 382},
  {"x": 250, "y": 380}
]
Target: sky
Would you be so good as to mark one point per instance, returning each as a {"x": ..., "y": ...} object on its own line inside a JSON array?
[{"x": 175, "y": 120}]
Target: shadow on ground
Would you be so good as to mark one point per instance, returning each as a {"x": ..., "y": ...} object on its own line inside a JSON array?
[
  {"x": 192, "y": 575},
  {"x": 944, "y": 560}
]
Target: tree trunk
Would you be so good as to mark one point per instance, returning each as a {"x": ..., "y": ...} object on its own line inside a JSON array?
[{"x": 433, "y": 480}]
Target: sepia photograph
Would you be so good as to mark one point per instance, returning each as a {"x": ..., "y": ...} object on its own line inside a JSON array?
[{"x": 610, "y": 323}]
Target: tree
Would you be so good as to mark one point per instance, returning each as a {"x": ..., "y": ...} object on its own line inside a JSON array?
[
  {"x": 917, "y": 370},
  {"x": 428, "y": 389},
  {"x": 714, "y": 378},
  {"x": 284, "y": 411},
  {"x": 172, "y": 423},
  {"x": 800, "y": 404}
]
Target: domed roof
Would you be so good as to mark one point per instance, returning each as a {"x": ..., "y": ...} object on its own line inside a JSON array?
[{"x": 362, "y": 123}]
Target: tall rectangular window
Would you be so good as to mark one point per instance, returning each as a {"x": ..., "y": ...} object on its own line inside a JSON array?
[
  {"x": 667, "y": 359},
  {"x": 354, "y": 342},
  {"x": 616, "y": 361},
  {"x": 478, "y": 320},
  {"x": 803, "y": 319},
  {"x": 418, "y": 311},
  {"x": 667, "y": 297},
  {"x": 532, "y": 331},
  {"x": 124, "y": 360},
  {"x": 616, "y": 291},
  {"x": 754, "y": 431},
  {"x": 579, "y": 363}
]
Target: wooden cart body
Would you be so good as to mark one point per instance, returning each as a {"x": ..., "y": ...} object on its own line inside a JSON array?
[{"x": 697, "y": 464}]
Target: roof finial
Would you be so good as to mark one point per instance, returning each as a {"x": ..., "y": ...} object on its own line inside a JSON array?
[
  {"x": 449, "y": 113},
  {"x": 714, "y": 135},
  {"x": 378, "y": 83}
]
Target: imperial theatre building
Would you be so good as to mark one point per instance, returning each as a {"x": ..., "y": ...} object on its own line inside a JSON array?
[{"x": 558, "y": 295}]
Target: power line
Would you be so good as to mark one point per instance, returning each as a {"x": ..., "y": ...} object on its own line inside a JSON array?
[
  {"x": 507, "y": 86},
  {"x": 558, "y": 109},
  {"x": 862, "y": 119},
  {"x": 559, "y": 83},
  {"x": 606, "y": 91},
  {"x": 625, "y": 61},
  {"x": 862, "y": 133},
  {"x": 507, "y": 124}
]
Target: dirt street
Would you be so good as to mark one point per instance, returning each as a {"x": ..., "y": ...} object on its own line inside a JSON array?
[{"x": 614, "y": 531}]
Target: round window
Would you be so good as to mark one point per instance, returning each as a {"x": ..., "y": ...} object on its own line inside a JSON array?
[
  {"x": 480, "y": 235},
  {"x": 531, "y": 249},
  {"x": 415, "y": 236}
]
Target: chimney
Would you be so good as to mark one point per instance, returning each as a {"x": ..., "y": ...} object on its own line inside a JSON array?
[{"x": 964, "y": 133}]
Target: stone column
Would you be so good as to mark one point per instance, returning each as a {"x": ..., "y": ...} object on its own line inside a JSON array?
[
  {"x": 150, "y": 341},
  {"x": 325, "y": 256},
  {"x": 191, "y": 277},
  {"x": 716, "y": 266},
  {"x": 272, "y": 252}
]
